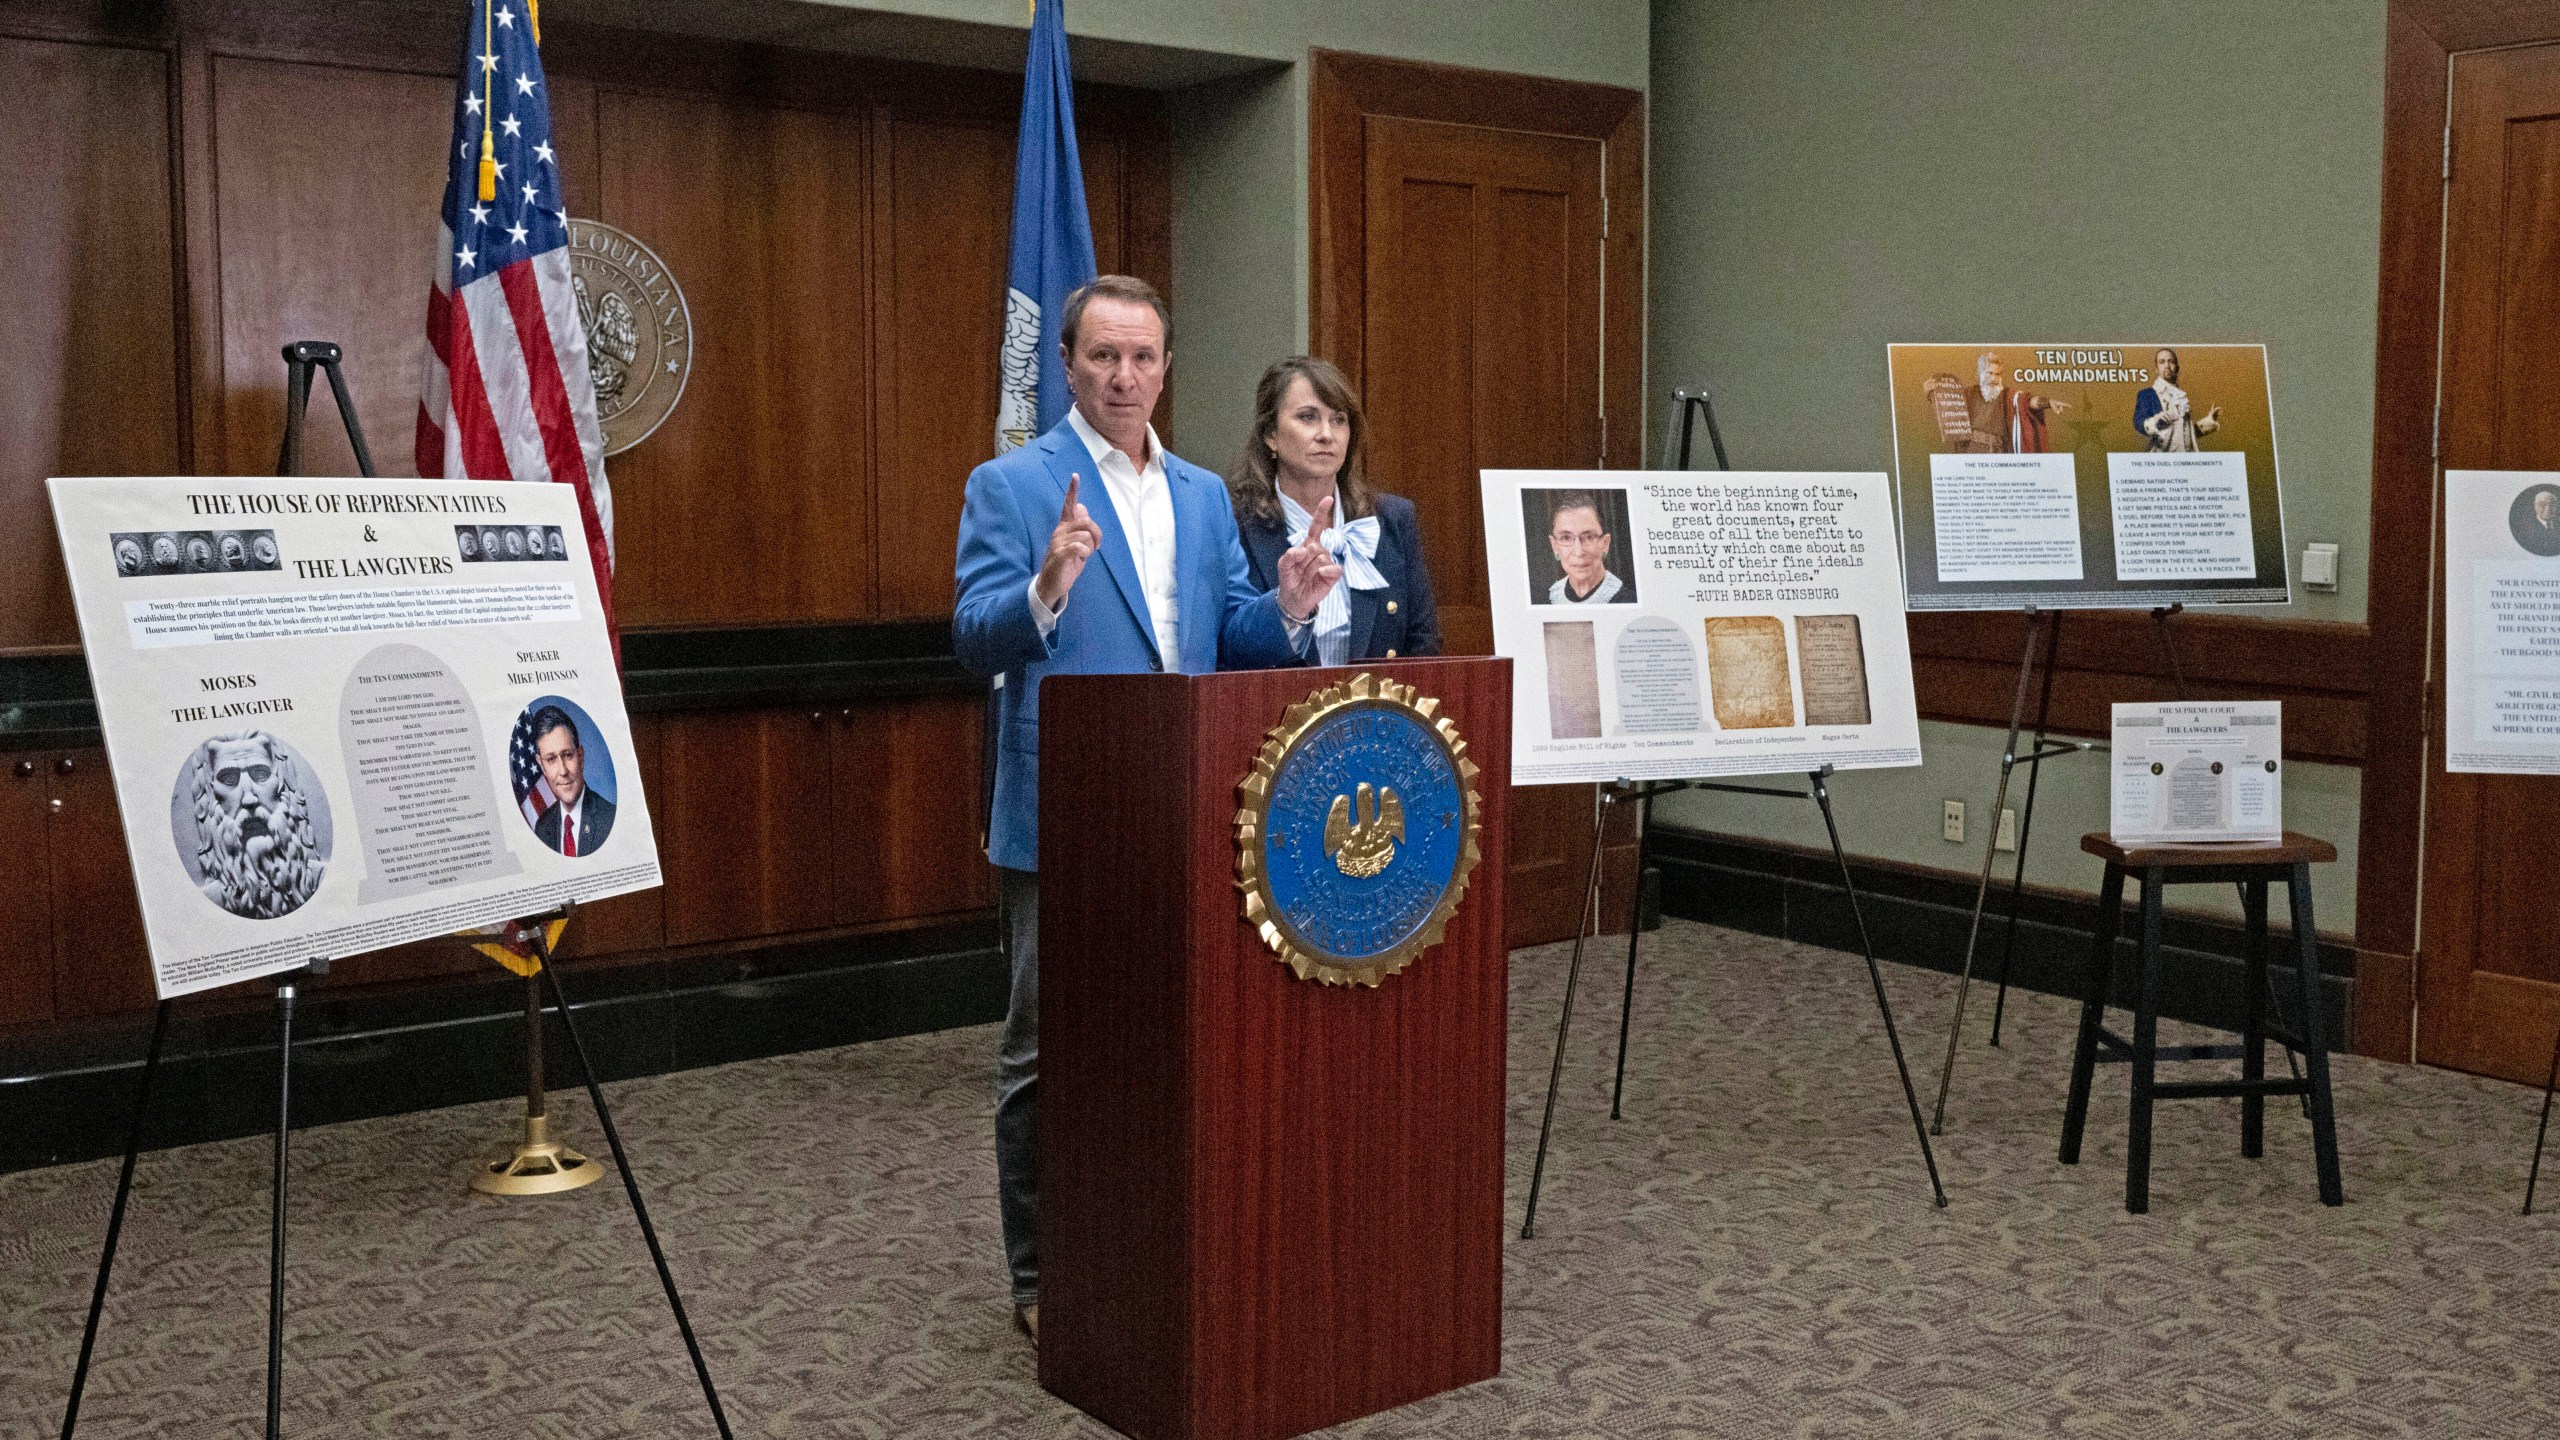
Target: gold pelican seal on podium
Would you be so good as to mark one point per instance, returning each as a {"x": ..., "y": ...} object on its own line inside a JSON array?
[
  {"x": 1362, "y": 850},
  {"x": 1411, "y": 830}
]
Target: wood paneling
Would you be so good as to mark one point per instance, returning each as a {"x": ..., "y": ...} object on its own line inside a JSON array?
[
  {"x": 940, "y": 329},
  {"x": 906, "y": 799},
  {"x": 1966, "y": 668},
  {"x": 751, "y": 504},
  {"x": 26, "y": 896},
  {"x": 90, "y": 318},
  {"x": 205, "y": 180},
  {"x": 750, "y": 830},
  {"x": 941, "y": 265},
  {"x": 101, "y": 963},
  {"x": 326, "y": 179}
]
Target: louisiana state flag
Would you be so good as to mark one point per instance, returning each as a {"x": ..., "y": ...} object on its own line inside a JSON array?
[{"x": 1052, "y": 237}]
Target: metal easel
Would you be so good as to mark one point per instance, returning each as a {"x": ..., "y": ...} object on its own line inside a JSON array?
[
  {"x": 301, "y": 357},
  {"x": 2039, "y": 750},
  {"x": 1689, "y": 406}
]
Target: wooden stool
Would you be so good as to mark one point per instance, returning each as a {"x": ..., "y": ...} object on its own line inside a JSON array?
[{"x": 2251, "y": 867}]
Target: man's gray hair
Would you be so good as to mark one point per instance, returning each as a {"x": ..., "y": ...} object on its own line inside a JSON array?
[{"x": 1127, "y": 288}]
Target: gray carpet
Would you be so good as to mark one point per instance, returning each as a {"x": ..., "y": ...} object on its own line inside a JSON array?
[{"x": 1751, "y": 1252}]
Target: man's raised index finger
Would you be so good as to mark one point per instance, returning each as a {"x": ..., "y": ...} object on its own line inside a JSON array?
[{"x": 1068, "y": 510}]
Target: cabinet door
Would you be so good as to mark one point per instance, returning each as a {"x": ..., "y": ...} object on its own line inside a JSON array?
[
  {"x": 906, "y": 779},
  {"x": 101, "y": 963},
  {"x": 747, "y": 834},
  {"x": 26, "y": 918}
]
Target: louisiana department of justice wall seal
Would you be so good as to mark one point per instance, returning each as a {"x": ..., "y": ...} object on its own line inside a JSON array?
[
  {"x": 639, "y": 332},
  {"x": 1356, "y": 832}
]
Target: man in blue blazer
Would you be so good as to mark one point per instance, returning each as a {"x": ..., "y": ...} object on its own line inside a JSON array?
[{"x": 1172, "y": 593}]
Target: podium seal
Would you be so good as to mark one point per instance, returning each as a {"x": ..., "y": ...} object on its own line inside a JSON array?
[{"x": 1356, "y": 831}]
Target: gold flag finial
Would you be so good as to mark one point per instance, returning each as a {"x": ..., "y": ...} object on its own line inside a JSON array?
[
  {"x": 533, "y": 16},
  {"x": 488, "y": 102}
]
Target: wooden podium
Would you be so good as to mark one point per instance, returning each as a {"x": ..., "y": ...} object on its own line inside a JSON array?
[{"x": 1267, "y": 1205}]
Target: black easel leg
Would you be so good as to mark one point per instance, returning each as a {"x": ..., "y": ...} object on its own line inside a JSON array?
[
  {"x": 631, "y": 1185},
  {"x": 347, "y": 413},
  {"x": 297, "y": 402},
  {"x": 1586, "y": 922},
  {"x": 2549, "y": 1082},
  {"x": 124, "y": 1190},
  {"x": 1635, "y": 932},
  {"x": 1875, "y": 973},
  {"x": 2026, "y": 823},
  {"x": 286, "y": 986},
  {"x": 1982, "y": 890}
]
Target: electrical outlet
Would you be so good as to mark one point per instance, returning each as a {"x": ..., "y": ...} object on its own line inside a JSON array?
[
  {"x": 2320, "y": 566},
  {"x": 1953, "y": 823},
  {"x": 2007, "y": 839}
]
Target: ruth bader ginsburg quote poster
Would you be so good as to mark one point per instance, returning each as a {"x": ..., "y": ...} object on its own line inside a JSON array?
[{"x": 1675, "y": 624}]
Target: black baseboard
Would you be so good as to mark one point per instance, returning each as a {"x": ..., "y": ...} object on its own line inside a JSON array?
[
  {"x": 1920, "y": 917},
  {"x": 69, "y": 1096}
]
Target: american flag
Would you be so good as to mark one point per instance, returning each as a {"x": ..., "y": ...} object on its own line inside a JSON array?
[
  {"x": 533, "y": 793},
  {"x": 506, "y": 393}
]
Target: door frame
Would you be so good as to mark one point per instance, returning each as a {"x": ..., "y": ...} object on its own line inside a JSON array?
[
  {"x": 1346, "y": 88},
  {"x": 2421, "y": 37}
]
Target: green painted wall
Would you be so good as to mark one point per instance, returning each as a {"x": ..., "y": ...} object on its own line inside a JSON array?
[{"x": 1833, "y": 175}]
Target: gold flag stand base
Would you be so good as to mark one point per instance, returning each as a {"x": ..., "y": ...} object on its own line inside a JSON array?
[{"x": 540, "y": 1166}]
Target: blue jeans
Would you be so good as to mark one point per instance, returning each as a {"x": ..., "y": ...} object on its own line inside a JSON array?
[{"x": 1017, "y": 1086}]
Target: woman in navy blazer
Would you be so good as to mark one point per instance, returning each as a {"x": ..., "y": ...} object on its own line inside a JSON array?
[{"x": 1303, "y": 452}]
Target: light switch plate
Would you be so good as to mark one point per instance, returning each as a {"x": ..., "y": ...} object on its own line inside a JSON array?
[{"x": 2320, "y": 566}]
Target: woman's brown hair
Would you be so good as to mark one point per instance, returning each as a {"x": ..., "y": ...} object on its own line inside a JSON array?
[{"x": 1254, "y": 482}]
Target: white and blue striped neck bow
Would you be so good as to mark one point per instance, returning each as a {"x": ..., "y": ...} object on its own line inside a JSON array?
[{"x": 1355, "y": 546}]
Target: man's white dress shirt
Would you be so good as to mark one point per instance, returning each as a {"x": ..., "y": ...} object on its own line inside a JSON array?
[
  {"x": 1142, "y": 498},
  {"x": 572, "y": 818}
]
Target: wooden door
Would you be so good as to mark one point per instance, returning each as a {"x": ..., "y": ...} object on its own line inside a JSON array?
[
  {"x": 2489, "y": 958},
  {"x": 1478, "y": 321},
  {"x": 1482, "y": 343}
]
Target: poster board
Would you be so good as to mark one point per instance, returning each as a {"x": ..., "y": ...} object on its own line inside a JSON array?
[
  {"x": 345, "y": 714},
  {"x": 2502, "y": 622},
  {"x": 2191, "y": 774},
  {"x": 1677, "y": 624},
  {"x": 2116, "y": 475}
]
